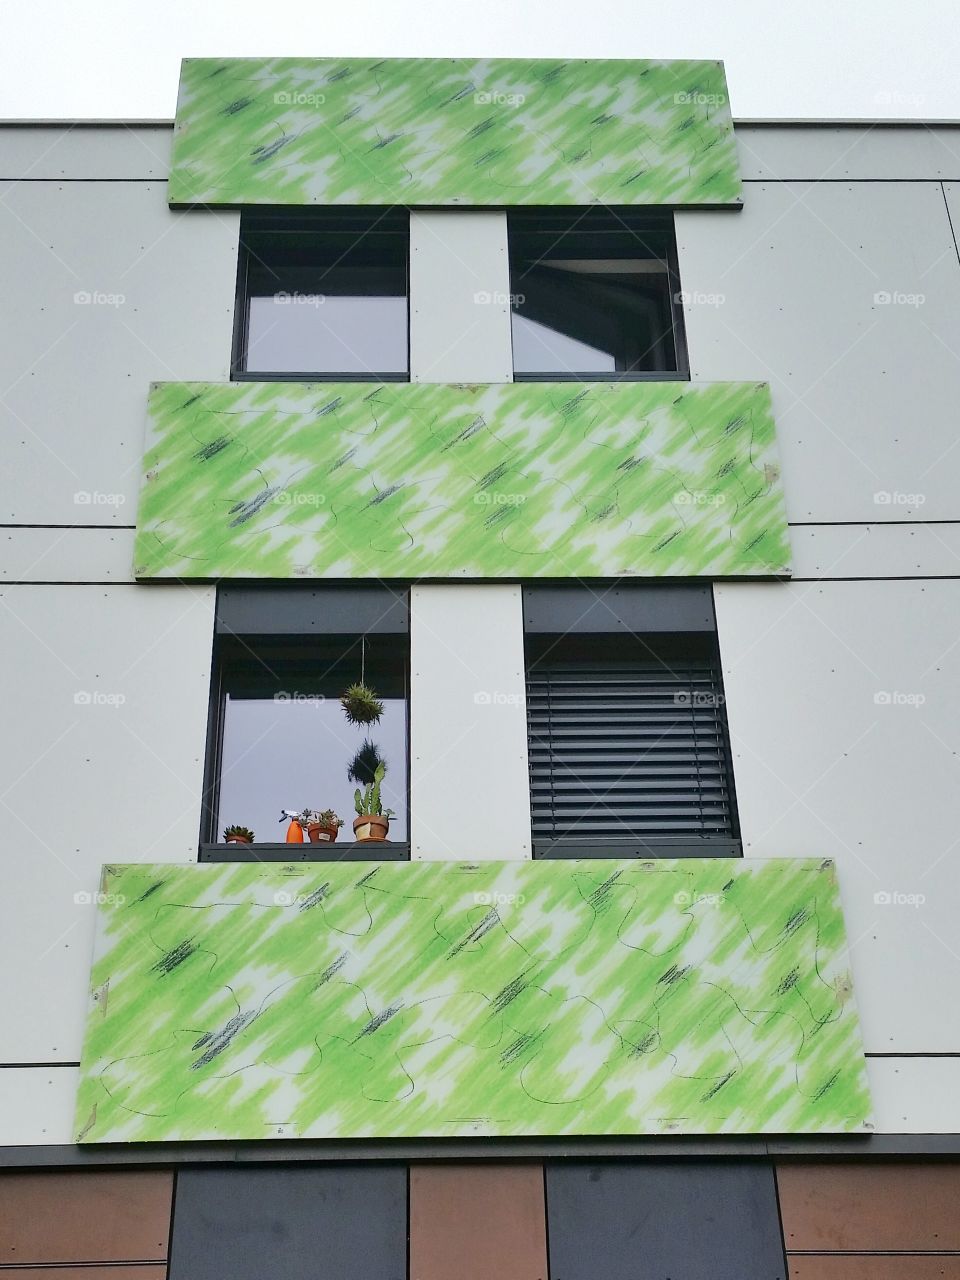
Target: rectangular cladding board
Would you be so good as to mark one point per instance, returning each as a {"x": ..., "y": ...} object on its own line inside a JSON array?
[
  {"x": 453, "y": 131},
  {"x": 84, "y": 1217},
  {"x": 347, "y": 480},
  {"x": 342, "y": 1222},
  {"x": 653, "y": 1219},
  {"x": 870, "y": 1207},
  {"x": 476, "y": 1221},
  {"x": 461, "y": 999}
]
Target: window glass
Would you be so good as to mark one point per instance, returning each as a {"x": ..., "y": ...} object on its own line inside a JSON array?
[
  {"x": 286, "y": 743},
  {"x": 324, "y": 296},
  {"x": 593, "y": 294}
]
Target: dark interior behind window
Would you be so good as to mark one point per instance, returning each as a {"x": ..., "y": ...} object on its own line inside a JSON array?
[{"x": 594, "y": 294}]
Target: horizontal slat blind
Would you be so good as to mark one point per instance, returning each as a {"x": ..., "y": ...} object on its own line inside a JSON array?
[{"x": 628, "y": 749}]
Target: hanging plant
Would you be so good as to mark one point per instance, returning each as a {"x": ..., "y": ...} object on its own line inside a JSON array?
[
  {"x": 363, "y": 768},
  {"x": 361, "y": 704}
]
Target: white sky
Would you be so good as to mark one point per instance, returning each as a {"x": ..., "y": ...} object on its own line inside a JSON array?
[{"x": 119, "y": 59}]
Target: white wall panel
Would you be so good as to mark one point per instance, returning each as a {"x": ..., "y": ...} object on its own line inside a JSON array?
[
  {"x": 844, "y": 707},
  {"x": 36, "y": 1106},
  {"x": 860, "y": 151},
  {"x": 876, "y": 551},
  {"x": 66, "y": 555},
  {"x": 156, "y": 294},
  {"x": 104, "y": 691},
  {"x": 915, "y": 1095},
  {"x": 865, "y": 391},
  {"x": 104, "y": 152},
  {"x": 469, "y": 786},
  {"x": 459, "y": 297}
]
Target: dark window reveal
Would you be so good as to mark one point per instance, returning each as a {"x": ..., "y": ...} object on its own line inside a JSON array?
[
  {"x": 595, "y": 295},
  {"x": 323, "y": 295}
]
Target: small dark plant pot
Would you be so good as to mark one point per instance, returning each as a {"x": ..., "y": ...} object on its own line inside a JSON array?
[
  {"x": 370, "y": 827},
  {"x": 238, "y": 840},
  {"x": 321, "y": 835}
]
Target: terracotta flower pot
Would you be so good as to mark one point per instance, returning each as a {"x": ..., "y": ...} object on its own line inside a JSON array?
[
  {"x": 320, "y": 835},
  {"x": 370, "y": 826},
  {"x": 238, "y": 840}
]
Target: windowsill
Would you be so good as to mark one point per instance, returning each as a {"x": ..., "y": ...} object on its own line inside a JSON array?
[
  {"x": 338, "y": 851},
  {"x": 243, "y": 375},
  {"x": 715, "y": 847},
  {"x": 670, "y": 375}
]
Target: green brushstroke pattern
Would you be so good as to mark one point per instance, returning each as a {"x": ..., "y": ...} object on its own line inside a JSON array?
[
  {"x": 514, "y": 998},
  {"x": 347, "y": 480},
  {"x": 441, "y": 131}
]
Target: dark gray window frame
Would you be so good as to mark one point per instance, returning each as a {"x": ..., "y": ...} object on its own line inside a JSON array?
[
  {"x": 262, "y": 614},
  {"x": 591, "y": 229},
  {"x": 632, "y": 609},
  {"x": 261, "y": 225}
]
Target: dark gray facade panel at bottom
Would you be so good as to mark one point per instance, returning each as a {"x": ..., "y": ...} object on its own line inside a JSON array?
[
  {"x": 664, "y": 1221},
  {"x": 348, "y": 1222}
]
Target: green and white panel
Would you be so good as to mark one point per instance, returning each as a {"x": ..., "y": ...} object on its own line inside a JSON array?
[
  {"x": 453, "y": 131},
  {"x": 518, "y": 480},
  {"x": 345, "y": 1000}
]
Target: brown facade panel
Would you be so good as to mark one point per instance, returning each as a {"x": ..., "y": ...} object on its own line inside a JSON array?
[
  {"x": 84, "y": 1217},
  {"x": 870, "y": 1207},
  {"x": 863, "y": 1266},
  {"x": 477, "y": 1221}
]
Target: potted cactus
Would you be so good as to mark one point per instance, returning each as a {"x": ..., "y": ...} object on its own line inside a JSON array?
[
  {"x": 238, "y": 835},
  {"x": 372, "y": 821}
]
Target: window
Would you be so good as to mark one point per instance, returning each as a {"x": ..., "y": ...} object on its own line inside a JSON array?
[
  {"x": 278, "y": 736},
  {"x": 323, "y": 294},
  {"x": 595, "y": 295},
  {"x": 627, "y": 734}
]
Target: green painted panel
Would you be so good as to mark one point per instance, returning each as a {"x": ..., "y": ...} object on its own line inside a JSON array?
[
  {"x": 444, "y": 131},
  {"x": 349, "y": 480},
  {"x": 435, "y": 999}
]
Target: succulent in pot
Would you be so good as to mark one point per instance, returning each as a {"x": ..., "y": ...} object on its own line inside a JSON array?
[
  {"x": 238, "y": 835},
  {"x": 320, "y": 825}
]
